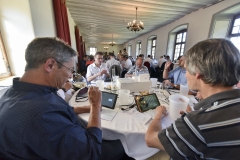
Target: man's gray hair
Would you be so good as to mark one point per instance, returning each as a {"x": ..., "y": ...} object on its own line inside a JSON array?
[
  {"x": 41, "y": 49},
  {"x": 216, "y": 60}
]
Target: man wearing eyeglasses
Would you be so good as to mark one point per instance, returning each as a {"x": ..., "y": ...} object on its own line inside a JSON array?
[
  {"x": 97, "y": 70},
  {"x": 36, "y": 123}
]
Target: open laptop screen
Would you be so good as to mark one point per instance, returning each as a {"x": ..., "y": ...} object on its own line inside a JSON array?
[{"x": 109, "y": 99}]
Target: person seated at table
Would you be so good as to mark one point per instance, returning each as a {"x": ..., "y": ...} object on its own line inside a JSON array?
[
  {"x": 178, "y": 74},
  {"x": 83, "y": 66},
  {"x": 127, "y": 63},
  {"x": 138, "y": 67},
  {"x": 213, "y": 67},
  {"x": 90, "y": 60},
  {"x": 97, "y": 70},
  {"x": 112, "y": 61},
  {"x": 36, "y": 123}
]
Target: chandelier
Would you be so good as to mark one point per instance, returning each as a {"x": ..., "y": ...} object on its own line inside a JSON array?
[
  {"x": 105, "y": 47},
  {"x": 112, "y": 43},
  {"x": 134, "y": 26}
]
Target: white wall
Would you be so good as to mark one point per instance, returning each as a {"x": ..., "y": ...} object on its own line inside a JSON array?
[
  {"x": 199, "y": 23},
  {"x": 115, "y": 48},
  {"x": 43, "y": 18},
  {"x": 17, "y": 31}
]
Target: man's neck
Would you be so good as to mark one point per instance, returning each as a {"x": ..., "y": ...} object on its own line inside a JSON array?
[
  {"x": 30, "y": 77},
  {"x": 97, "y": 64},
  {"x": 208, "y": 90}
]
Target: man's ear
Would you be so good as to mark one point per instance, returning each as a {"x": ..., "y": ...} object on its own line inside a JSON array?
[
  {"x": 198, "y": 76},
  {"x": 49, "y": 65}
]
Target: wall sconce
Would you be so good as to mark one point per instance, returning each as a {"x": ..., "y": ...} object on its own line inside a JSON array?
[{"x": 105, "y": 48}]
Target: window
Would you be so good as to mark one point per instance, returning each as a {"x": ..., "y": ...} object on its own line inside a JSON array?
[
  {"x": 93, "y": 50},
  {"x": 129, "y": 49},
  {"x": 179, "y": 43},
  {"x": 235, "y": 31},
  {"x": 138, "y": 48},
  {"x": 153, "y": 49},
  {"x": 4, "y": 66}
]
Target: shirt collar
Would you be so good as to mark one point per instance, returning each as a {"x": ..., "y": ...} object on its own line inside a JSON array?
[
  {"x": 222, "y": 96},
  {"x": 30, "y": 87}
]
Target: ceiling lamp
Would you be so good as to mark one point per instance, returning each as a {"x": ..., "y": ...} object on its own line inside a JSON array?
[
  {"x": 112, "y": 43},
  {"x": 134, "y": 26},
  {"x": 105, "y": 47}
]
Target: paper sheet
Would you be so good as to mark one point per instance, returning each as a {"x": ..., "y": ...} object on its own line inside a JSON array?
[{"x": 108, "y": 115}]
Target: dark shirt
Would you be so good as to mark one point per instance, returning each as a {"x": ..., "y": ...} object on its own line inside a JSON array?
[
  {"x": 35, "y": 123},
  {"x": 83, "y": 67},
  {"x": 209, "y": 132}
]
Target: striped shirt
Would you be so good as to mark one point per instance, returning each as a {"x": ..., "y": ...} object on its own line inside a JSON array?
[{"x": 212, "y": 131}]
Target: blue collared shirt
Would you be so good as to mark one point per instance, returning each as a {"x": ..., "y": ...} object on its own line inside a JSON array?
[
  {"x": 179, "y": 75},
  {"x": 35, "y": 123}
]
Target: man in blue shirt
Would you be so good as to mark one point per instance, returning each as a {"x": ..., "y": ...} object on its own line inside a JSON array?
[
  {"x": 36, "y": 123},
  {"x": 178, "y": 74}
]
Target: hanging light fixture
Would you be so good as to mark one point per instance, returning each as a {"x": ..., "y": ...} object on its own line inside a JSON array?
[
  {"x": 112, "y": 43},
  {"x": 105, "y": 47},
  {"x": 135, "y": 26}
]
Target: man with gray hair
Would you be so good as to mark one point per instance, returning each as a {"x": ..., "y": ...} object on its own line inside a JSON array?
[
  {"x": 36, "y": 123},
  {"x": 211, "y": 131}
]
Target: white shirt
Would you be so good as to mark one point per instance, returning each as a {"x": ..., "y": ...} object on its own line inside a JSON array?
[
  {"x": 148, "y": 60},
  {"x": 93, "y": 69},
  {"x": 112, "y": 62},
  {"x": 128, "y": 64},
  {"x": 66, "y": 96},
  {"x": 160, "y": 61}
]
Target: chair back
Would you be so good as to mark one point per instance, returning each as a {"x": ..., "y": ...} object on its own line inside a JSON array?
[
  {"x": 147, "y": 64},
  {"x": 117, "y": 69}
]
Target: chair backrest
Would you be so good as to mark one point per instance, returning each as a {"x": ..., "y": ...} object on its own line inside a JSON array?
[
  {"x": 117, "y": 69},
  {"x": 147, "y": 64}
]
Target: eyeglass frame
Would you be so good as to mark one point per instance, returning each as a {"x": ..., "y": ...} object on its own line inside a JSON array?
[{"x": 70, "y": 69}]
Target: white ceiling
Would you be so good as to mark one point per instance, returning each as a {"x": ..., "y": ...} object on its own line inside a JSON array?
[{"x": 98, "y": 20}]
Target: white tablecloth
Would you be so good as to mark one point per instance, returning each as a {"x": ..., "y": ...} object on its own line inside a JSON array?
[{"x": 124, "y": 127}]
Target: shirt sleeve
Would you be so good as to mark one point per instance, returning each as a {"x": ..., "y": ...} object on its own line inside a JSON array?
[
  {"x": 171, "y": 73},
  {"x": 89, "y": 73},
  {"x": 55, "y": 136},
  {"x": 179, "y": 141}
]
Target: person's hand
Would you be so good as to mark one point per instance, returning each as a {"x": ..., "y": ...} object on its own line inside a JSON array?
[
  {"x": 95, "y": 97},
  {"x": 67, "y": 86},
  {"x": 167, "y": 83},
  {"x": 103, "y": 72},
  {"x": 189, "y": 109},
  {"x": 167, "y": 65},
  {"x": 161, "y": 112}
]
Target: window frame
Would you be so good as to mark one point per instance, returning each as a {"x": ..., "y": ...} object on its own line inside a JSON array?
[
  {"x": 232, "y": 25},
  {"x": 90, "y": 50},
  {"x": 5, "y": 59},
  {"x": 237, "y": 16},
  {"x": 153, "y": 55},
  {"x": 181, "y": 43}
]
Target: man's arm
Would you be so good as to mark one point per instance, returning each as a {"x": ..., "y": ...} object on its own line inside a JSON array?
[
  {"x": 166, "y": 68},
  {"x": 151, "y": 136},
  {"x": 91, "y": 76},
  {"x": 95, "y": 99},
  {"x": 81, "y": 109}
]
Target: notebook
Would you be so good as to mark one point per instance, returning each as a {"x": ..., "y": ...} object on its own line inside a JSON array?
[{"x": 109, "y": 99}]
